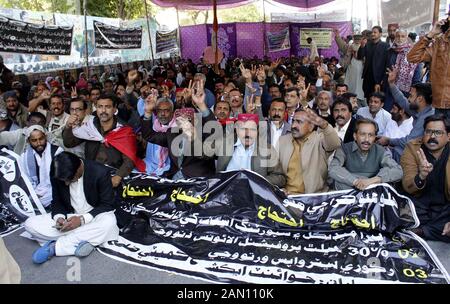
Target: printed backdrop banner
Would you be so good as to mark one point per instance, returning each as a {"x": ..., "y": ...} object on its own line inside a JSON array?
[
  {"x": 166, "y": 42},
  {"x": 111, "y": 37},
  {"x": 278, "y": 41},
  {"x": 30, "y": 38},
  {"x": 226, "y": 36},
  {"x": 18, "y": 201},
  {"x": 322, "y": 37},
  {"x": 238, "y": 228}
]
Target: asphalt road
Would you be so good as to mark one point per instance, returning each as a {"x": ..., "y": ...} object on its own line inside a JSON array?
[{"x": 99, "y": 269}]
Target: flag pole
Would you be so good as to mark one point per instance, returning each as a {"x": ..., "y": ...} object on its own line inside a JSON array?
[
  {"x": 149, "y": 32},
  {"x": 179, "y": 33},
  {"x": 86, "y": 51}
]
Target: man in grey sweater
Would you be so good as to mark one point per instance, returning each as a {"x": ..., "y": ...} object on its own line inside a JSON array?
[{"x": 363, "y": 163}]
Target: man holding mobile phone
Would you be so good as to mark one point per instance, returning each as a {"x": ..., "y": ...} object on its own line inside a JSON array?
[{"x": 435, "y": 47}]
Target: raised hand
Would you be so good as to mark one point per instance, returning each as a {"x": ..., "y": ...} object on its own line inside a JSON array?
[
  {"x": 246, "y": 73},
  {"x": 316, "y": 119},
  {"x": 304, "y": 96},
  {"x": 275, "y": 64},
  {"x": 45, "y": 94},
  {"x": 73, "y": 121},
  {"x": 74, "y": 93},
  {"x": 425, "y": 168},
  {"x": 132, "y": 76},
  {"x": 261, "y": 74},
  {"x": 392, "y": 75},
  {"x": 199, "y": 96},
  {"x": 150, "y": 103},
  {"x": 251, "y": 105}
]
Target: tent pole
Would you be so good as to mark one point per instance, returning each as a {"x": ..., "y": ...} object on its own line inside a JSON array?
[
  {"x": 216, "y": 30},
  {"x": 149, "y": 32},
  {"x": 179, "y": 33},
  {"x": 437, "y": 4},
  {"x": 86, "y": 51},
  {"x": 264, "y": 24}
]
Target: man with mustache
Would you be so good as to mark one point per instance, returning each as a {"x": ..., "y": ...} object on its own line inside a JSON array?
[
  {"x": 304, "y": 153},
  {"x": 376, "y": 112},
  {"x": 102, "y": 144},
  {"x": 345, "y": 123},
  {"x": 363, "y": 163},
  {"x": 426, "y": 167},
  {"x": 36, "y": 161},
  {"x": 418, "y": 105},
  {"x": 277, "y": 124},
  {"x": 17, "y": 112},
  {"x": 323, "y": 102},
  {"x": 246, "y": 151},
  {"x": 56, "y": 120}
]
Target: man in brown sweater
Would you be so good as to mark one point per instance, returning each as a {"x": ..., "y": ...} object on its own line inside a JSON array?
[{"x": 426, "y": 168}]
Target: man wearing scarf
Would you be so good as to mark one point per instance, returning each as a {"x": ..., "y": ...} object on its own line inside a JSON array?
[
  {"x": 409, "y": 73},
  {"x": 36, "y": 161},
  {"x": 108, "y": 141},
  {"x": 426, "y": 167},
  {"x": 157, "y": 157}
]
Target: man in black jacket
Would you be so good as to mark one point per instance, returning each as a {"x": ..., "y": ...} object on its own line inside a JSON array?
[
  {"x": 82, "y": 210},
  {"x": 374, "y": 55}
]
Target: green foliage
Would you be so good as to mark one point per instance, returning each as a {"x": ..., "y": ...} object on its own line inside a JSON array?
[
  {"x": 246, "y": 13},
  {"x": 124, "y": 9}
]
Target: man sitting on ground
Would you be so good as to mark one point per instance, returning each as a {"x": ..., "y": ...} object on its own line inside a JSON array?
[
  {"x": 426, "y": 164},
  {"x": 363, "y": 163},
  {"x": 36, "y": 162},
  {"x": 83, "y": 208}
]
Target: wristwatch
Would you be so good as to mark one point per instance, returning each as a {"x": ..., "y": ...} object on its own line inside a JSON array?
[
  {"x": 82, "y": 220},
  {"x": 419, "y": 182}
]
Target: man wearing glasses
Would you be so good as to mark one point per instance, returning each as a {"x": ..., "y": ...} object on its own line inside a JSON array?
[
  {"x": 78, "y": 115},
  {"x": 426, "y": 168}
]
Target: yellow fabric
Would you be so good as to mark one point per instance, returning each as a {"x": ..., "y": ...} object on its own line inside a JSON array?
[
  {"x": 295, "y": 183},
  {"x": 9, "y": 270}
]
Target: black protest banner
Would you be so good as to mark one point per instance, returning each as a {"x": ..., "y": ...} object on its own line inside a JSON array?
[
  {"x": 29, "y": 38},
  {"x": 238, "y": 228},
  {"x": 166, "y": 42},
  {"x": 111, "y": 37},
  {"x": 18, "y": 200}
]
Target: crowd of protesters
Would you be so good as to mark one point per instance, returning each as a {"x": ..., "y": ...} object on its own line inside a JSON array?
[{"x": 378, "y": 114}]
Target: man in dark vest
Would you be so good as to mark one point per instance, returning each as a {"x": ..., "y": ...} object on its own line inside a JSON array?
[{"x": 363, "y": 163}]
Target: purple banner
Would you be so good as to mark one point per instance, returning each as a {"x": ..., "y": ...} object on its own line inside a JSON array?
[
  {"x": 193, "y": 41},
  {"x": 248, "y": 39},
  {"x": 226, "y": 38}
]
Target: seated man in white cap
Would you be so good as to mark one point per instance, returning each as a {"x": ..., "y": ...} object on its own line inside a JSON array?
[{"x": 36, "y": 161}]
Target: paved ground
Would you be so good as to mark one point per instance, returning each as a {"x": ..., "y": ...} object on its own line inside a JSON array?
[{"x": 98, "y": 269}]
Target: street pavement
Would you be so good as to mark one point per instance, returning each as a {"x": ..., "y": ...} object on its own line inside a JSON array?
[{"x": 100, "y": 269}]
